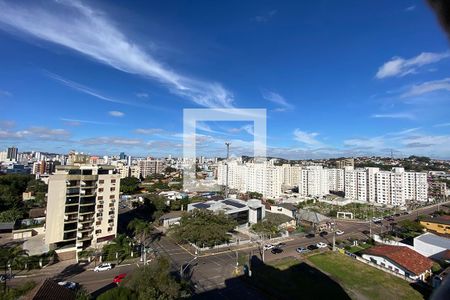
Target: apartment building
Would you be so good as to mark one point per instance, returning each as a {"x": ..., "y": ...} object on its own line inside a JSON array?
[
  {"x": 150, "y": 167},
  {"x": 313, "y": 181},
  {"x": 264, "y": 177},
  {"x": 346, "y": 162},
  {"x": 82, "y": 207},
  {"x": 291, "y": 174},
  {"x": 336, "y": 180}
]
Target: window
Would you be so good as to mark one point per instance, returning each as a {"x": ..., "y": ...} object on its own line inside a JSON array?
[
  {"x": 113, "y": 181},
  {"x": 100, "y": 190},
  {"x": 100, "y": 198},
  {"x": 101, "y": 181},
  {"x": 111, "y": 196},
  {"x": 112, "y": 189}
]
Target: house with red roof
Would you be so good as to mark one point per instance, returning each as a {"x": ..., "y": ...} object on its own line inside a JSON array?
[{"x": 401, "y": 260}]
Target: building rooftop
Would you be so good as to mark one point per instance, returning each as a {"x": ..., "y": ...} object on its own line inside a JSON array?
[
  {"x": 311, "y": 216},
  {"x": 51, "y": 290},
  {"x": 438, "y": 220},
  {"x": 288, "y": 206},
  {"x": 402, "y": 256},
  {"x": 434, "y": 239}
]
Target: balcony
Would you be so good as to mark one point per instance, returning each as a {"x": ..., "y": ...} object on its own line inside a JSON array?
[
  {"x": 69, "y": 236},
  {"x": 88, "y": 209},
  {"x": 70, "y": 227},
  {"x": 87, "y": 201},
  {"x": 72, "y": 200},
  {"x": 83, "y": 237},
  {"x": 73, "y": 209},
  {"x": 70, "y": 219},
  {"x": 88, "y": 177},
  {"x": 72, "y": 191}
]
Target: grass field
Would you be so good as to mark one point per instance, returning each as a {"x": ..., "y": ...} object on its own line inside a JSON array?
[
  {"x": 292, "y": 279},
  {"x": 362, "y": 281}
]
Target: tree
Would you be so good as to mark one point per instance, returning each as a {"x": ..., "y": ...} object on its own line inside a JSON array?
[
  {"x": 120, "y": 248},
  {"x": 204, "y": 228},
  {"x": 141, "y": 230},
  {"x": 12, "y": 256},
  {"x": 119, "y": 293},
  {"x": 10, "y": 215},
  {"x": 155, "y": 281},
  {"x": 129, "y": 185},
  {"x": 266, "y": 228}
]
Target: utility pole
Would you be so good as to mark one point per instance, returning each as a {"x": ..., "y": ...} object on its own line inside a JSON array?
[{"x": 226, "y": 178}]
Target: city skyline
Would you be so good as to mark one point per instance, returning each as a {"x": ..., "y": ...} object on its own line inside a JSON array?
[{"x": 335, "y": 80}]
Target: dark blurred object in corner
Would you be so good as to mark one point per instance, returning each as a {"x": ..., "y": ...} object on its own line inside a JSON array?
[{"x": 442, "y": 10}]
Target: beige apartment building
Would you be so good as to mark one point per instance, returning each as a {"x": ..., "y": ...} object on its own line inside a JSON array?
[{"x": 82, "y": 208}]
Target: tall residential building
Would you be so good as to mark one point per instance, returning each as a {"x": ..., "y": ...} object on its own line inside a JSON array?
[
  {"x": 355, "y": 183},
  {"x": 313, "y": 182},
  {"x": 264, "y": 177},
  {"x": 291, "y": 174},
  {"x": 12, "y": 153},
  {"x": 82, "y": 207},
  {"x": 3, "y": 155},
  {"x": 346, "y": 162},
  {"x": 150, "y": 167},
  {"x": 335, "y": 180}
]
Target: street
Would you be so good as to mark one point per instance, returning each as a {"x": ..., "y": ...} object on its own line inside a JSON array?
[{"x": 209, "y": 272}]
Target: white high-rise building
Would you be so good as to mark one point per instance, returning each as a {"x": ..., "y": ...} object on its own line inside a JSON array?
[
  {"x": 264, "y": 178},
  {"x": 313, "y": 182},
  {"x": 335, "y": 180},
  {"x": 291, "y": 174}
]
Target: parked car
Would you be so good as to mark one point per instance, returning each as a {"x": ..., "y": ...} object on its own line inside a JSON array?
[
  {"x": 367, "y": 232},
  {"x": 69, "y": 284},
  {"x": 310, "y": 235},
  {"x": 268, "y": 247},
  {"x": 405, "y": 213},
  {"x": 323, "y": 233},
  {"x": 302, "y": 250},
  {"x": 390, "y": 219},
  {"x": 312, "y": 247},
  {"x": 397, "y": 215},
  {"x": 118, "y": 278},
  {"x": 339, "y": 232},
  {"x": 103, "y": 267},
  {"x": 321, "y": 245},
  {"x": 276, "y": 250}
]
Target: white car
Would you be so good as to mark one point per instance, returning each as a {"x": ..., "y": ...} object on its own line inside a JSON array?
[
  {"x": 268, "y": 247},
  {"x": 321, "y": 245},
  {"x": 103, "y": 267},
  {"x": 339, "y": 232},
  {"x": 69, "y": 284}
]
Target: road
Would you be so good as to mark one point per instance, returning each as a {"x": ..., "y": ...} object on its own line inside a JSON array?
[{"x": 214, "y": 272}]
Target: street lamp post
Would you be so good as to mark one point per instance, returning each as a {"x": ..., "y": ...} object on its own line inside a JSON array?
[{"x": 182, "y": 269}]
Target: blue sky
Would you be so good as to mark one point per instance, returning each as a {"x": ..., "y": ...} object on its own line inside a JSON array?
[{"x": 337, "y": 79}]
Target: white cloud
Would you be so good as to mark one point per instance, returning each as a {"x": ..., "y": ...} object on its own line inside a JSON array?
[
  {"x": 77, "y": 122},
  {"x": 149, "y": 131},
  {"x": 118, "y": 141},
  {"x": 307, "y": 138},
  {"x": 410, "y": 8},
  {"x": 399, "y": 66},
  {"x": 5, "y": 124},
  {"x": 265, "y": 17},
  {"x": 74, "y": 25},
  {"x": 277, "y": 99},
  {"x": 36, "y": 132},
  {"x": 5, "y": 93},
  {"x": 84, "y": 89},
  {"x": 442, "y": 125},
  {"x": 115, "y": 113},
  {"x": 394, "y": 116},
  {"x": 428, "y": 87},
  {"x": 142, "y": 95}
]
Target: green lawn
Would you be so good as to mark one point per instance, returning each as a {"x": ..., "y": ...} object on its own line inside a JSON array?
[
  {"x": 362, "y": 281},
  {"x": 293, "y": 279}
]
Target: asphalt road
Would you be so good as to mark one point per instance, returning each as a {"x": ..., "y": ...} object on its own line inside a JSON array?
[{"x": 214, "y": 272}]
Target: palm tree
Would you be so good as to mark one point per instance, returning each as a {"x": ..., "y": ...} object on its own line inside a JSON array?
[
  {"x": 10, "y": 256},
  {"x": 141, "y": 230},
  {"x": 121, "y": 245}
]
